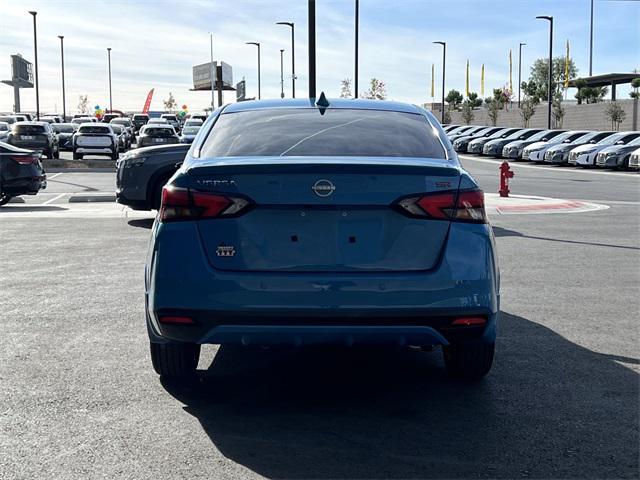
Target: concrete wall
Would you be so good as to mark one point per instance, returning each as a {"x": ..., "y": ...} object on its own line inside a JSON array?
[{"x": 577, "y": 117}]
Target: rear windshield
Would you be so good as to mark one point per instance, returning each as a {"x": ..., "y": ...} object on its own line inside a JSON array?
[
  {"x": 59, "y": 128},
  {"x": 117, "y": 128},
  {"x": 4, "y": 126},
  {"x": 339, "y": 132},
  {"x": 158, "y": 132},
  {"x": 190, "y": 130},
  {"x": 141, "y": 117},
  {"x": 96, "y": 129},
  {"x": 170, "y": 117},
  {"x": 29, "y": 129},
  {"x": 120, "y": 121}
]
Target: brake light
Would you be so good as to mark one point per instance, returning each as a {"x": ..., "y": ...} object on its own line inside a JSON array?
[
  {"x": 463, "y": 206},
  {"x": 176, "y": 320},
  {"x": 25, "y": 159},
  {"x": 469, "y": 321},
  {"x": 186, "y": 204}
]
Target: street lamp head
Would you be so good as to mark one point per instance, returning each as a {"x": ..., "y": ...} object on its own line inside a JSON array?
[
  {"x": 257, "y": 44},
  {"x": 60, "y": 37},
  {"x": 522, "y": 44},
  {"x": 108, "y": 49},
  {"x": 545, "y": 17},
  {"x": 33, "y": 13},
  {"x": 290, "y": 24},
  {"x": 441, "y": 43}
]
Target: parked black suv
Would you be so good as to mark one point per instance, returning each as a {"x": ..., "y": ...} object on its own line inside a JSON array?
[
  {"x": 21, "y": 172},
  {"x": 139, "y": 121},
  {"x": 35, "y": 136}
]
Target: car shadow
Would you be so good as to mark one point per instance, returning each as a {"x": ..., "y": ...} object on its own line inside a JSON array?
[
  {"x": 549, "y": 408},
  {"x": 142, "y": 222},
  {"x": 31, "y": 208},
  {"x": 505, "y": 232}
]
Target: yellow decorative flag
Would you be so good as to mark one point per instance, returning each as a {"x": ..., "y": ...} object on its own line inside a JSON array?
[
  {"x": 467, "y": 84},
  {"x": 510, "y": 73},
  {"x": 482, "y": 81},
  {"x": 566, "y": 68},
  {"x": 433, "y": 84}
]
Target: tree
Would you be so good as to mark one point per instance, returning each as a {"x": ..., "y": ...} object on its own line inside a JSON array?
[
  {"x": 467, "y": 112},
  {"x": 454, "y": 98},
  {"x": 170, "y": 103},
  {"x": 345, "y": 89},
  {"x": 447, "y": 116},
  {"x": 531, "y": 91},
  {"x": 527, "y": 111},
  {"x": 635, "y": 83},
  {"x": 558, "y": 110},
  {"x": 615, "y": 114},
  {"x": 540, "y": 74},
  {"x": 589, "y": 94},
  {"x": 493, "y": 109},
  {"x": 83, "y": 104},
  {"x": 474, "y": 100},
  {"x": 377, "y": 90}
]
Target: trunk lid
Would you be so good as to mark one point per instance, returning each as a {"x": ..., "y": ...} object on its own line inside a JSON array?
[{"x": 323, "y": 214}]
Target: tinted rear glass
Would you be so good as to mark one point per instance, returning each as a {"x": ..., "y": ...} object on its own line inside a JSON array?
[
  {"x": 29, "y": 129},
  {"x": 140, "y": 117},
  {"x": 339, "y": 132},
  {"x": 59, "y": 128},
  {"x": 190, "y": 130},
  {"x": 158, "y": 132},
  {"x": 96, "y": 129}
]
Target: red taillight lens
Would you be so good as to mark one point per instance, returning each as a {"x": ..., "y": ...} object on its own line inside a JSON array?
[
  {"x": 25, "y": 159},
  {"x": 469, "y": 321},
  {"x": 465, "y": 206},
  {"x": 176, "y": 320},
  {"x": 185, "y": 204}
]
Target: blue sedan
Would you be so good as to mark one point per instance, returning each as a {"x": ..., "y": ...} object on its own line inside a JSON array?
[{"x": 342, "y": 222}]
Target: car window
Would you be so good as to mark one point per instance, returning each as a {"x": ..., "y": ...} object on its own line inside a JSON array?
[
  {"x": 635, "y": 142},
  {"x": 611, "y": 139},
  {"x": 117, "y": 128},
  {"x": 337, "y": 132},
  {"x": 190, "y": 130},
  {"x": 62, "y": 128},
  {"x": 627, "y": 138},
  {"x": 158, "y": 131},
  {"x": 4, "y": 127},
  {"x": 95, "y": 129},
  {"x": 29, "y": 129}
]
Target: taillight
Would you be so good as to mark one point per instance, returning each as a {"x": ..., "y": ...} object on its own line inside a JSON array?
[
  {"x": 469, "y": 321},
  {"x": 176, "y": 320},
  {"x": 463, "y": 206},
  {"x": 186, "y": 204},
  {"x": 25, "y": 159}
]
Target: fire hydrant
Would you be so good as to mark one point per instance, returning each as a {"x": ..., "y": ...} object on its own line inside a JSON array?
[{"x": 505, "y": 174}]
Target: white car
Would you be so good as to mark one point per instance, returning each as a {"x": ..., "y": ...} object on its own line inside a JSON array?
[
  {"x": 193, "y": 122},
  {"x": 4, "y": 131},
  {"x": 535, "y": 151},
  {"x": 95, "y": 139},
  {"x": 634, "y": 160},
  {"x": 585, "y": 155}
]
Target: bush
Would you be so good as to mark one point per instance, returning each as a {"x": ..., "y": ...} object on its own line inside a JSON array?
[
  {"x": 615, "y": 114},
  {"x": 467, "y": 112}
]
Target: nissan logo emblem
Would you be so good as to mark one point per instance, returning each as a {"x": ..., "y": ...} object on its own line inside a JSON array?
[{"x": 323, "y": 188}]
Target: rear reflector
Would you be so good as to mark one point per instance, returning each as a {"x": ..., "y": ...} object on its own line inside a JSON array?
[
  {"x": 469, "y": 321},
  {"x": 25, "y": 159},
  {"x": 185, "y": 204},
  {"x": 463, "y": 206},
  {"x": 175, "y": 320}
]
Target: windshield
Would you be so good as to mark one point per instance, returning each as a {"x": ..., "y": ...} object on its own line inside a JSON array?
[
  {"x": 95, "y": 129},
  {"x": 190, "y": 130},
  {"x": 567, "y": 137},
  {"x": 610, "y": 140},
  {"x": 499, "y": 133},
  {"x": 158, "y": 132},
  {"x": 338, "y": 132},
  {"x": 634, "y": 142},
  {"x": 61, "y": 128},
  {"x": 29, "y": 129},
  {"x": 4, "y": 127},
  {"x": 516, "y": 135}
]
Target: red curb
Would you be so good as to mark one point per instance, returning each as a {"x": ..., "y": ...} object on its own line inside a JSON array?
[{"x": 536, "y": 208}]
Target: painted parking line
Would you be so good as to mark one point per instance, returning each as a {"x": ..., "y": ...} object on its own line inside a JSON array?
[
  {"x": 55, "y": 175},
  {"x": 51, "y": 200},
  {"x": 550, "y": 168}
]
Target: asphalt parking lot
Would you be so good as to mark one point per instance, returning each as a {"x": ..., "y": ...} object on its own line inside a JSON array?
[{"x": 80, "y": 398}]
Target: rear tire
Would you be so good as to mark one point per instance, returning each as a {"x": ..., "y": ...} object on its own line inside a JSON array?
[
  {"x": 469, "y": 361},
  {"x": 56, "y": 153},
  {"x": 175, "y": 360},
  {"x": 156, "y": 195},
  {"x": 114, "y": 156},
  {"x": 4, "y": 198}
]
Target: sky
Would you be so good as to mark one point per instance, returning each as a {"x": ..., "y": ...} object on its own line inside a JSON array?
[{"x": 156, "y": 42}]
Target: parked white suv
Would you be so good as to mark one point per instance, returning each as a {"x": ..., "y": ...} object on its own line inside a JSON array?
[{"x": 95, "y": 139}]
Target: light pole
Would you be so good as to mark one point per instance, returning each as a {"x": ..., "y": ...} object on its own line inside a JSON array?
[
  {"x": 519, "y": 70},
  {"x": 281, "y": 73},
  {"x": 213, "y": 76},
  {"x": 257, "y": 44},
  {"x": 110, "y": 97},
  {"x": 444, "y": 61},
  {"x": 311, "y": 19},
  {"x": 591, "y": 43},
  {"x": 550, "y": 82},
  {"x": 357, "y": 41},
  {"x": 64, "y": 108},
  {"x": 293, "y": 56},
  {"x": 35, "y": 49}
]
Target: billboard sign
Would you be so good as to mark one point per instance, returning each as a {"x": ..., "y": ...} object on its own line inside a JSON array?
[
  {"x": 202, "y": 76},
  {"x": 241, "y": 91}
]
